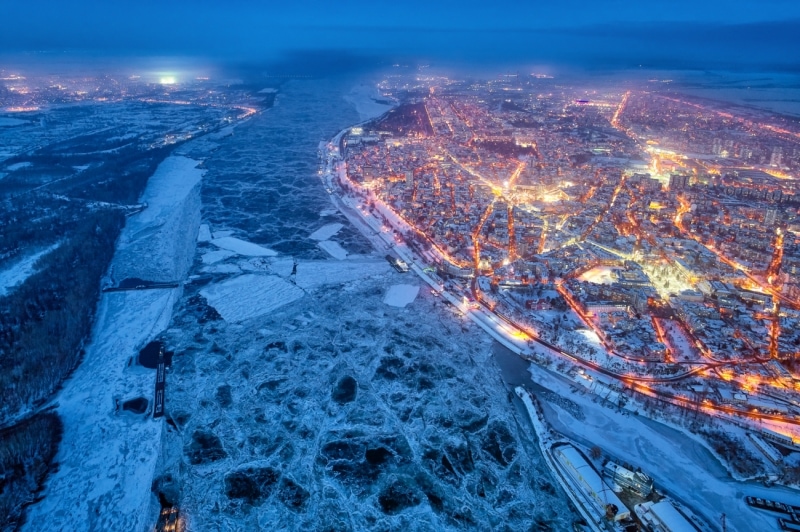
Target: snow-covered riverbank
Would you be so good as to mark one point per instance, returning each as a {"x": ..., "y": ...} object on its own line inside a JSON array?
[{"x": 108, "y": 456}]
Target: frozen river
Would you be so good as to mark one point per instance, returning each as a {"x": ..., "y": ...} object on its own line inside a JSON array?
[{"x": 325, "y": 391}]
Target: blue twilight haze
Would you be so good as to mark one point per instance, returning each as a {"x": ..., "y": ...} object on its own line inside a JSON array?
[{"x": 743, "y": 34}]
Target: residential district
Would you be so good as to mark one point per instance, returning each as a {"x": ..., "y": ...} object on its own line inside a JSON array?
[{"x": 643, "y": 241}]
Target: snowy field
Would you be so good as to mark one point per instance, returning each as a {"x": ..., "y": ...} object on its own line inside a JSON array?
[
  {"x": 401, "y": 295},
  {"x": 250, "y": 295},
  {"x": 16, "y": 274},
  {"x": 682, "y": 466}
]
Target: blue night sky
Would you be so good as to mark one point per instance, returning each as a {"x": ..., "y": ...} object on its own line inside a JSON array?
[{"x": 747, "y": 34}]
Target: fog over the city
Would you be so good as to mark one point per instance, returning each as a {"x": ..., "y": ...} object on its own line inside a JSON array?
[{"x": 735, "y": 35}]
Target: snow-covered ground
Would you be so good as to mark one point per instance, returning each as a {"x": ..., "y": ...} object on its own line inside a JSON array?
[
  {"x": 15, "y": 274},
  {"x": 250, "y": 295},
  {"x": 680, "y": 465},
  {"x": 363, "y": 97},
  {"x": 107, "y": 457},
  {"x": 401, "y": 295},
  {"x": 242, "y": 247}
]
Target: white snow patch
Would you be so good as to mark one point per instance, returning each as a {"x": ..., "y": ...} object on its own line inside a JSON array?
[
  {"x": 268, "y": 90},
  {"x": 327, "y": 212},
  {"x": 333, "y": 249},
  {"x": 249, "y": 296},
  {"x": 15, "y": 275},
  {"x": 325, "y": 232},
  {"x": 222, "y": 234},
  {"x": 204, "y": 234},
  {"x": 363, "y": 97},
  {"x": 313, "y": 274},
  {"x": 400, "y": 295},
  {"x": 17, "y": 166},
  {"x": 215, "y": 256},
  {"x": 242, "y": 247}
]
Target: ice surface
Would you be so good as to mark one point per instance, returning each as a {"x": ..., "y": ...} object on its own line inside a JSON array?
[
  {"x": 204, "y": 234},
  {"x": 326, "y": 231},
  {"x": 242, "y": 247},
  {"x": 349, "y": 414},
  {"x": 282, "y": 267},
  {"x": 250, "y": 295},
  {"x": 313, "y": 274},
  {"x": 6, "y": 121},
  {"x": 222, "y": 268},
  {"x": 334, "y": 249},
  {"x": 16, "y": 274},
  {"x": 17, "y": 166},
  {"x": 401, "y": 295},
  {"x": 158, "y": 243},
  {"x": 215, "y": 256},
  {"x": 342, "y": 412}
]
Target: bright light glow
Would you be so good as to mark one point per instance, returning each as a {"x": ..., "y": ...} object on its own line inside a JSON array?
[{"x": 167, "y": 80}]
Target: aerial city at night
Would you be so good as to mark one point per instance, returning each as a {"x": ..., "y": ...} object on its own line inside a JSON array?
[{"x": 448, "y": 266}]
